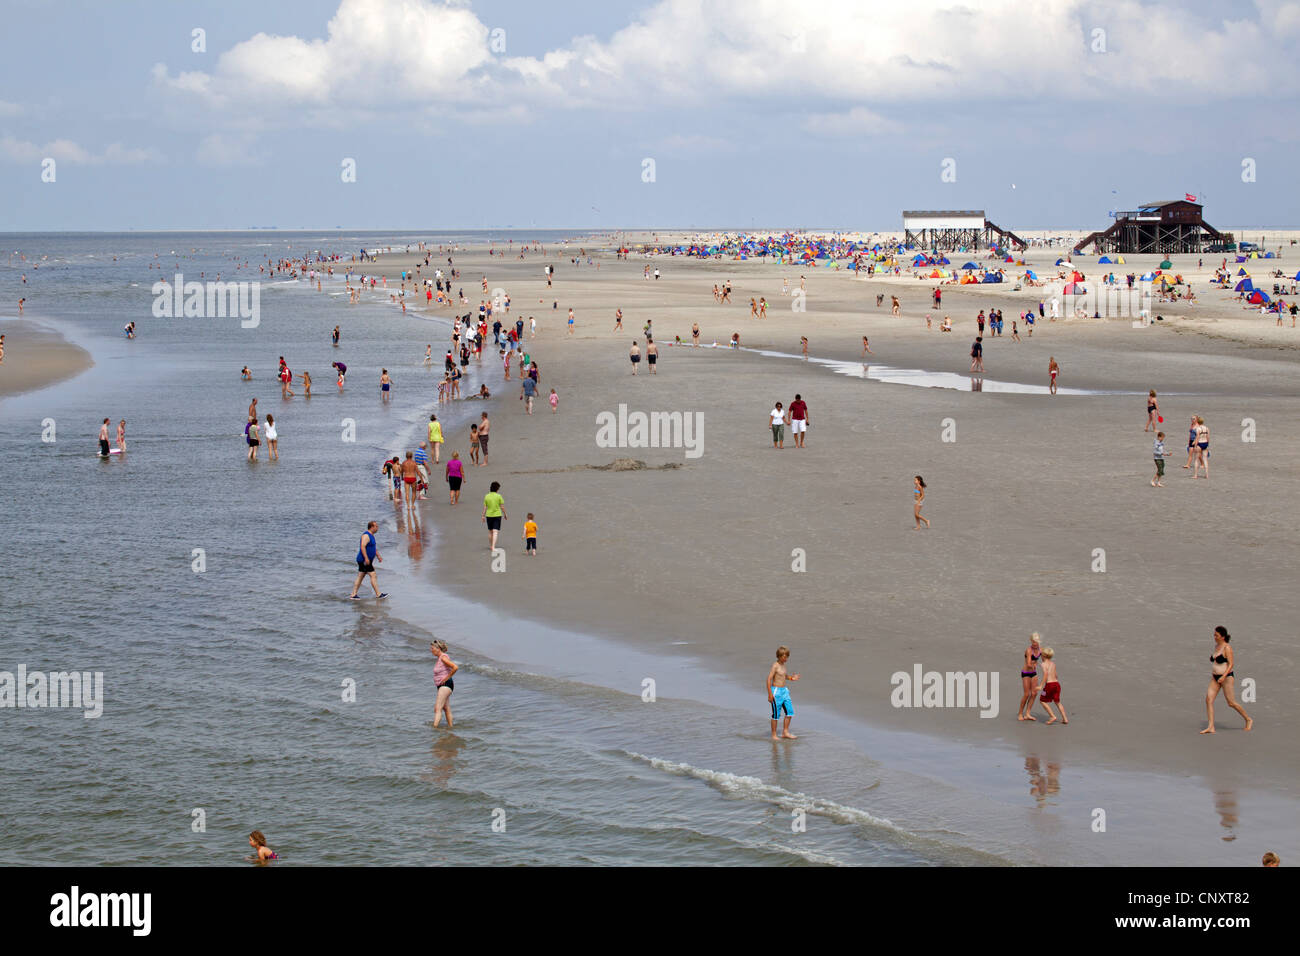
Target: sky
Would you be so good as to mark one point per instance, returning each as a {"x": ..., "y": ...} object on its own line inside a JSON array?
[{"x": 750, "y": 114}]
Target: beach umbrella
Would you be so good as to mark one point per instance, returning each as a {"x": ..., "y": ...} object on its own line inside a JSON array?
[
  {"x": 1074, "y": 288},
  {"x": 1029, "y": 273},
  {"x": 1166, "y": 264}
]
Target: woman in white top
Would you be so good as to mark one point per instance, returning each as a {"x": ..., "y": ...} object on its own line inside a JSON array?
[
  {"x": 272, "y": 439},
  {"x": 777, "y": 417}
]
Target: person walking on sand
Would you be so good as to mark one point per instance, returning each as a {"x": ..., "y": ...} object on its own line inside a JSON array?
[
  {"x": 635, "y": 355},
  {"x": 527, "y": 391},
  {"x": 367, "y": 555},
  {"x": 494, "y": 512},
  {"x": 483, "y": 426},
  {"x": 1159, "y": 453},
  {"x": 444, "y": 669},
  {"x": 555, "y": 401},
  {"x": 1153, "y": 412},
  {"x": 1222, "y": 668},
  {"x": 1029, "y": 677},
  {"x": 455, "y": 475},
  {"x": 695, "y": 334},
  {"x": 918, "y": 499},
  {"x": 1053, "y": 369},
  {"x": 435, "y": 438},
  {"x": 803, "y": 346},
  {"x": 776, "y": 418},
  {"x": 778, "y": 695},
  {"x": 652, "y": 356},
  {"x": 866, "y": 347},
  {"x": 1202, "y": 448},
  {"x": 799, "y": 420},
  {"x": 530, "y": 536},
  {"x": 977, "y": 354},
  {"x": 1051, "y": 687}
]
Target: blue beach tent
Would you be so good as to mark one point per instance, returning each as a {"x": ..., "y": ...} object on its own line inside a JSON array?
[
  {"x": 1104, "y": 259},
  {"x": 970, "y": 265},
  {"x": 1245, "y": 285}
]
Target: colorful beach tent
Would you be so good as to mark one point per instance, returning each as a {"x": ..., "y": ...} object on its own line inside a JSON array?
[
  {"x": 970, "y": 265},
  {"x": 1120, "y": 261},
  {"x": 1242, "y": 272},
  {"x": 1259, "y": 298},
  {"x": 1245, "y": 285},
  {"x": 1166, "y": 264},
  {"x": 1075, "y": 288},
  {"x": 992, "y": 277},
  {"x": 1105, "y": 259}
]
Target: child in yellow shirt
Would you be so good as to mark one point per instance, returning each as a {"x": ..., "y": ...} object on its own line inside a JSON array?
[{"x": 530, "y": 536}]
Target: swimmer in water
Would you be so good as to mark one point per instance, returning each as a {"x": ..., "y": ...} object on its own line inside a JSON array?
[
  {"x": 258, "y": 842},
  {"x": 245, "y": 374}
]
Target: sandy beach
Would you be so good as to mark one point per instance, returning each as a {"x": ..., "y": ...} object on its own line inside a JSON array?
[
  {"x": 36, "y": 356},
  {"x": 694, "y": 555}
]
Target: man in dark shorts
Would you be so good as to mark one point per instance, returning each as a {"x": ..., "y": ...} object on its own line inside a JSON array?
[
  {"x": 977, "y": 354},
  {"x": 483, "y": 427},
  {"x": 527, "y": 391},
  {"x": 367, "y": 555}
]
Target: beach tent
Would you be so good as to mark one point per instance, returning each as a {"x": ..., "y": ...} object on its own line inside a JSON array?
[
  {"x": 1245, "y": 285},
  {"x": 970, "y": 265},
  {"x": 1241, "y": 258},
  {"x": 1119, "y": 261},
  {"x": 1147, "y": 277},
  {"x": 1242, "y": 272},
  {"x": 1268, "y": 255},
  {"x": 1166, "y": 264},
  {"x": 1105, "y": 259},
  {"x": 1029, "y": 274},
  {"x": 1296, "y": 277},
  {"x": 1259, "y": 298},
  {"x": 1061, "y": 262},
  {"x": 1165, "y": 280},
  {"x": 992, "y": 277},
  {"x": 1254, "y": 255},
  {"x": 1075, "y": 288},
  {"x": 943, "y": 261}
]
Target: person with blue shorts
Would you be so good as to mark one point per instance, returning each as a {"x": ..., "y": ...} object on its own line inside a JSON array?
[{"x": 778, "y": 695}]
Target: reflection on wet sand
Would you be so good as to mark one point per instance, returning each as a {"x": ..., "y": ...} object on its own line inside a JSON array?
[
  {"x": 1043, "y": 784},
  {"x": 1225, "y": 802}
]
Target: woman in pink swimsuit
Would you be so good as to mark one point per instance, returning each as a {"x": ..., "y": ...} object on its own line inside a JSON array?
[{"x": 444, "y": 668}]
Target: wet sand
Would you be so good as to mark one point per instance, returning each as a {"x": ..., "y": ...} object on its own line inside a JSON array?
[
  {"x": 697, "y": 559},
  {"x": 36, "y": 356}
]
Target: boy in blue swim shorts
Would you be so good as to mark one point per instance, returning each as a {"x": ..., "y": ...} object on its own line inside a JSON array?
[{"x": 778, "y": 695}]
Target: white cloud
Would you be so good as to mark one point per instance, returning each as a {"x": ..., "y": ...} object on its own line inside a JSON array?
[
  {"x": 9, "y": 109},
  {"x": 65, "y": 150},
  {"x": 838, "y": 60},
  {"x": 377, "y": 52}
]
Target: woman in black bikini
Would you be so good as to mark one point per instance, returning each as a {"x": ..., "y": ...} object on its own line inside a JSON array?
[
  {"x": 1221, "y": 679},
  {"x": 1029, "y": 677},
  {"x": 1153, "y": 412}
]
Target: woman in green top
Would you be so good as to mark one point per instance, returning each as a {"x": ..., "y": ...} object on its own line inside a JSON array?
[
  {"x": 435, "y": 437},
  {"x": 494, "y": 511}
]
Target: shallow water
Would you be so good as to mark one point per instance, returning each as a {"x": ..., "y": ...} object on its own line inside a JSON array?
[{"x": 225, "y": 689}]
